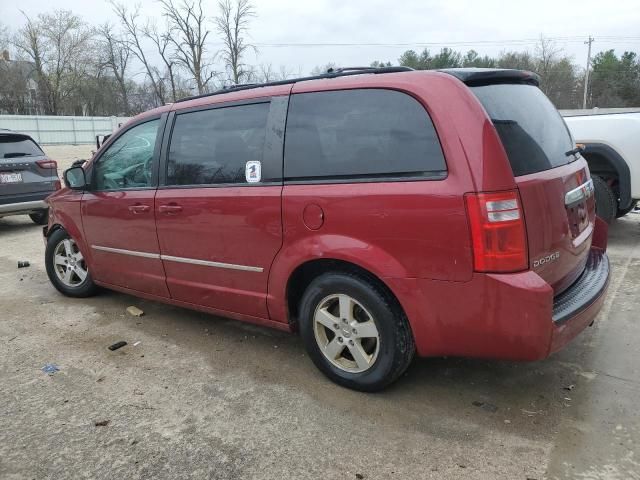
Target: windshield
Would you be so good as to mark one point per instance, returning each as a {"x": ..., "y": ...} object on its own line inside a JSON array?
[
  {"x": 532, "y": 131},
  {"x": 12, "y": 146}
]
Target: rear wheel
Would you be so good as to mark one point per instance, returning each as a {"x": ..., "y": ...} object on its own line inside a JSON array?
[
  {"x": 66, "y": 267},
  {"x": 355, "y": 332},
  {"x": 40, "y": 217},
  {"x": 606, "y": 201}
]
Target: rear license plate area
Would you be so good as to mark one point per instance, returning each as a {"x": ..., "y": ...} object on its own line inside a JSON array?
[{"x": 11, "y": 177}]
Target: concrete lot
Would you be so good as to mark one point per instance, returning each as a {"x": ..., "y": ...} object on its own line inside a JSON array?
[{"x": 206, "y": 397}]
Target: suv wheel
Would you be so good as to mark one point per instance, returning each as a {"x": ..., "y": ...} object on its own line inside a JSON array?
[
  {"x": 40, "y": 217},
  {"x": 606, "y": 201},
  {"x": 355, "y": 332},
  {"x": 66, "y": 266}
]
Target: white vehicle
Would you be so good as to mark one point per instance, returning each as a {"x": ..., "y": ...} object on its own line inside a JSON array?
[{"x": 612, "y": 150}]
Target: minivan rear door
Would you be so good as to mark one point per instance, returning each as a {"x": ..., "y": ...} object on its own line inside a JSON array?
[{"x": 553, "y": 181}]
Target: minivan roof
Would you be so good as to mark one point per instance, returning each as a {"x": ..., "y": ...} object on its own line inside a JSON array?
[{"x": 486, "y": 76}]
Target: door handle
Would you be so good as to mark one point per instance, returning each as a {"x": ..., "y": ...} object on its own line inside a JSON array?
[
  {"x": 170, "y": 209},
  {"x": 139, "y": 208}
]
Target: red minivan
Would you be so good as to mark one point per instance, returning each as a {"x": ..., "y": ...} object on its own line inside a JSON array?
[{"x": 379, "y": 212}]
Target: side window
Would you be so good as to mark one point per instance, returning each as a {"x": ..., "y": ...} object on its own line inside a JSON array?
[
  {"x": 213, "y": 146},
  {"x": 360, "y": 133},
  {"x": 128, "y": 162}
]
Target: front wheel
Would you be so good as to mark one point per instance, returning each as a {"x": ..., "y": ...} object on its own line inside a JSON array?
[
  {"x": 623, "y": 211},
  {"x": 355, "y": 331},
  {"x": 66, "y": 267},
  {"x": 606, "y": 201}
]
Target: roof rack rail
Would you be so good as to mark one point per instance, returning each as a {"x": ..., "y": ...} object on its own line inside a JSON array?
[{"x": 330, "y": 73}]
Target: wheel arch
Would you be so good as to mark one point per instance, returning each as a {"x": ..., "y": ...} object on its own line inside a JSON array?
[
  {"x": 604, "y": 161},
  {"x": 302, "y": 276}
]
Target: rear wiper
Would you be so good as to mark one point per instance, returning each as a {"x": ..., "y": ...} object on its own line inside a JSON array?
[
  {"x": 575, "y": 151},
  {"x": 16, "y": 154}
]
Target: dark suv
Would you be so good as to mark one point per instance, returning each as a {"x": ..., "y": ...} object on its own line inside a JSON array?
[
  {"x": 27, "y": 177},
  {"x": 379, "y": 212}
]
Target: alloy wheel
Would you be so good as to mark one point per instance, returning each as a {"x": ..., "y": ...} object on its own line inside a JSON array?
[
  {"x": 346, "y": 333},
  {"x": 69, "y": 264}
]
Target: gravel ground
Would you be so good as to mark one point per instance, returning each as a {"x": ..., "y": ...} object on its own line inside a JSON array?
[{"x": 206, "y": 397}]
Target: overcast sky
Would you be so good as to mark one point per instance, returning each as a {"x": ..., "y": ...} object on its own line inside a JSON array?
[{"x": 488, "y": 26}]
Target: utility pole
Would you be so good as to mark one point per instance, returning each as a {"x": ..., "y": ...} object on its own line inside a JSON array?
[{"x": 586, "y": 73}]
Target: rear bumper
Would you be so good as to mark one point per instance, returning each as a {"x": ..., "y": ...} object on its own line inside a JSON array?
[
  {"x": 506, "y": 316},
  {"x": 23, "y": 207}
]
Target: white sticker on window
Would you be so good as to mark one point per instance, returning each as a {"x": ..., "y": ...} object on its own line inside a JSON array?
[{"x": 253, "y": 171}]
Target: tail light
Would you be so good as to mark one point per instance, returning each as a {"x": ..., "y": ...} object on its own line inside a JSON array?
[
  {"x": 57, "y": 185},
  {"x": 498, "y": 232},
  {"x": 47, "y": 163}
]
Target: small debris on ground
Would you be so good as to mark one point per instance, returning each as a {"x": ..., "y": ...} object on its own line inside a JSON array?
[
  {"x": 134, "y": 311},
  {"x": 50, "y": 368},
  {"x": 359, "y": 476},
  {"x": 569, "y": 387},
  {"x": 137, "y": 343},
  {"x": 102, "y": 423},
  {"x": 117, "y": 345},
  {"x": 23, "y": 264},
  {"x": 485, "y": 406}
]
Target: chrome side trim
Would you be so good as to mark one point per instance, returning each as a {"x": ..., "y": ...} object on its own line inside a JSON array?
[
  {"x": 205, "y": 263},
  {"x": 133, "y": 253},
  {"x": 169, "y": 258},
  {"x": 579, "y": 193}
]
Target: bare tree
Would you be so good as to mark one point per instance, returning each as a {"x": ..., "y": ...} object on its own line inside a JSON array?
[
  {"x": 59, "y": 45},
  {"x": 134, "y": 37},
  {"x": 114, "y": 56},
  {"x": 188, "y": 34},
  {"x": 161, "y": 41},
  {"x": 547, "y": 53},
  {"x": 266, "y": 73},
  {"x": 232, "y": 24}
]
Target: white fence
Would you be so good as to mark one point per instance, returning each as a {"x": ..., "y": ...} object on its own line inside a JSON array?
[{"x": 52, "y": 130}]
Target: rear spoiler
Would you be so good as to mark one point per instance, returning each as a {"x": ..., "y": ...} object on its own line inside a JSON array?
[{"x": 474, "y": 77}]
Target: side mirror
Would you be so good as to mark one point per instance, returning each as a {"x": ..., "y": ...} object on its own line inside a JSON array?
[{"x": 74, "y": 178}]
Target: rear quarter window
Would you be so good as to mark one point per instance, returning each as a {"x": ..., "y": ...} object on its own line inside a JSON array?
[
  {"x": 532, "y": 131},
  {"x": 351, "y": 134}
]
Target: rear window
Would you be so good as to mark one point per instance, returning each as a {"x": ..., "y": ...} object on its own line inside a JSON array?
[
  {"x": 370, "y": 133},
  {"x": 532, "y": 131},
  {"x": 13, "y": 146}
]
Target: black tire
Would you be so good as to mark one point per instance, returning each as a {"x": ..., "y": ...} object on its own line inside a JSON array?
[
  {"x": 396, "y": 344},
  {"x": 85, "y": 289},
  {"x": 606, "y": 201},
  {"x": 40, "y": 217},
  {"x": 623, "y": 211}
]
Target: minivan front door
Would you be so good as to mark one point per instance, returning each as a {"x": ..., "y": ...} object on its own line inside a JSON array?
[
  {"x": 219, "y": 212},
  {"x": 118, "y": 212}
]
